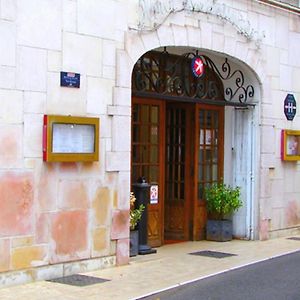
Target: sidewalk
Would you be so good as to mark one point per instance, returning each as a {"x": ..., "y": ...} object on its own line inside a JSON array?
[{"x": 172, "y": 265}]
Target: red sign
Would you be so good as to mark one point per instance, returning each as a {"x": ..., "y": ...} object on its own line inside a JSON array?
[{"x": 197, "y": 66}]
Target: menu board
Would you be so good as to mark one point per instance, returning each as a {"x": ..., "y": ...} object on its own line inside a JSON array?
[
  {"x": 73, "y": 138},
  {"x": 70, "y": 139},
  {"x": 290, "y": 145}
]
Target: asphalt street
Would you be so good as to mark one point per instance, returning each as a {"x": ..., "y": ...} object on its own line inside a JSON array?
[{"x": 274, "y": 279}]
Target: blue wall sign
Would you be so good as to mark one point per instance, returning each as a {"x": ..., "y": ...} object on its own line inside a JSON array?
[
  {"x": 69, "y": 79},
  {"x": 290, "y": 107}
]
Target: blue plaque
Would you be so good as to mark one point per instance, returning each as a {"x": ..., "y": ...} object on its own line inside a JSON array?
[{"x": 70, "y": 79}]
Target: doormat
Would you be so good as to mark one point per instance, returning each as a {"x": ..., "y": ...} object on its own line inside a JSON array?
[
  {"x": 78, "y": 280},
  {"x": 214, "y": 254},
  {"x": 294, "y": 238}
]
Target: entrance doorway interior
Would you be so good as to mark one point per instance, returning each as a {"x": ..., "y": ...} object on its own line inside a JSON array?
[
  {"x": 179, "y": 148},
  {"x": 178, "y": 140}
]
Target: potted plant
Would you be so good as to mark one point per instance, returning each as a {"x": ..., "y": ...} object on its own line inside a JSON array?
[
  {"x": 221, "y": 202},
  {"x": 135, "y": 216}
]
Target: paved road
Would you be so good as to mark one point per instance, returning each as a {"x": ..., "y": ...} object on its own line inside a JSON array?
[{"x": 275, "y": 279}]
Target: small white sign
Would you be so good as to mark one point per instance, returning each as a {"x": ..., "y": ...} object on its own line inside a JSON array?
[{"x": 154, "y": 194}]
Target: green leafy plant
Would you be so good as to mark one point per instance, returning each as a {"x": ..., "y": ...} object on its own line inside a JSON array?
[
  {"x": 222, "y": 200},
  {"x": 135, "y": 213}
]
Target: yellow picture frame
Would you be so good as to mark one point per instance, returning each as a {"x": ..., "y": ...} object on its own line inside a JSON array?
[
  {"x": 70, "y": 139},
  {"x": 290, "y": 145}
]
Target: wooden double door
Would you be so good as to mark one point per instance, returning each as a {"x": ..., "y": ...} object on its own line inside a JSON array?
[{"x": 178, "y": 148}]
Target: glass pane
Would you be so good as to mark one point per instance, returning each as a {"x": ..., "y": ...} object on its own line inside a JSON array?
[
  {"x": 154, "y": 114},
  {"x": 215, "y": 155},
  {"x": 208, "y": 119},
  {"x": 208, "y": 173},
  {"x": 181, "y": 154},
  {"x": 201, "y": 139},
  {"x": 135, "y": 113},
  {"x": 145, "y": 114},
  {"x": 200, "y": 173},
  {"x": 135, "y": 173},
  {"x": 135, "y": 134},
  {"x": 215, "y": 133},
  {"x": 216, "y": 120},
  {"x": 153, "y": 174},
  {"x": 176, "y": 171},
  {"x": 182, "y": 117},
  {"x": 200, "y": 191},
  {"x": 154, "y": 134},
  {"x": 208, "y": 137},
  {"x": 144, "y": 154},
  {"x": 136, "y": 154},
  {"x": 145, "y": 172},
  {"x": 154, "y": 154},
  {"x": 182, "y": 173},
  {"x": 201, "y": 156},
  {"x": 182, "y": 191},
  {"x": 144, "y": 134},
  {"x": 208, "y": 153},
  {"x": 214, "y": 172},
  {"x": 201, "y": 119}
]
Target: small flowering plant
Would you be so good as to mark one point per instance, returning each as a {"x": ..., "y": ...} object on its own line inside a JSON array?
[{"x": 135, "y": 213}]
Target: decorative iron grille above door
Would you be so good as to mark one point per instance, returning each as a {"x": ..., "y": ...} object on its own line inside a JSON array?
[{"x": 167, "y": 76}]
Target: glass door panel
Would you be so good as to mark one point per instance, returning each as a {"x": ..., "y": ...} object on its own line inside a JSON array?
[
  {"x": 178, "y": 122},
  {"x": 209, "y": 154},
  {"x": 147, "y": 148},
  {"x": 210, "y": 150}
]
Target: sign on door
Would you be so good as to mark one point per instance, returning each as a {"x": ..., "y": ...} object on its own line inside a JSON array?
[{"x": 154, "y": 194}]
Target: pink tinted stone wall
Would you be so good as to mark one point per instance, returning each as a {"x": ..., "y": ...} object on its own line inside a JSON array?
[
  {"x": 69, "y": 235},
  {"x": 122, "y": 252},
  {"x": 264, "y": 229},
  {"x": 11, "y": 146},
  {"x": 101, "y": 206},
  {"x": 16, "y": 204},
  {"x": 120, "y": 224},
  {"x": 71, "y": 167},
  {"x": 72, "y": 194},
  {"x": 292, "y": 213},
  {"x": 5, "y": 255},
  {"x": 47, "y": 188},
  {"x": 43, "y": 228}
]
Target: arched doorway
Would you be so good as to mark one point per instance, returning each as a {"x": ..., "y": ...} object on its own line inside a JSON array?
[{"x": 178, "y": 139}]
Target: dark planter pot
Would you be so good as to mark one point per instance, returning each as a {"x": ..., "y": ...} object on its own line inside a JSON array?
[
  {"x": 219, "y": 230},
  {"x": 134, "y": 243}
]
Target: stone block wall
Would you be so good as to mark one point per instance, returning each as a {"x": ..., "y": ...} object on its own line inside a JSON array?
[{"x": 55, "y": 214}]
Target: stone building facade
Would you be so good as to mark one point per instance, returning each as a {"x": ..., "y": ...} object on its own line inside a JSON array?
[{"x": 61, "y": 218}]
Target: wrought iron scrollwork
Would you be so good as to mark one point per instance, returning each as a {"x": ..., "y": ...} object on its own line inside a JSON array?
[
  {"x": 239, "y": 90},
  {"x": 167, "y": 74}
]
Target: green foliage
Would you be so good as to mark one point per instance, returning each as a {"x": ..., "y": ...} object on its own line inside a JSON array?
[
  {"x": 135, "y": 213},
  {"x": 135, "y": 216},
  {"x": 222, "y": 200}
]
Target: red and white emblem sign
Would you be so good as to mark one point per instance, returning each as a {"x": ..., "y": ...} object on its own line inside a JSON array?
[{"x": 197, "y": 66}]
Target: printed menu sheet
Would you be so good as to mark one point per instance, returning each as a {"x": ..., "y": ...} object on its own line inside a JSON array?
[{"x": 73, "y": 138}]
